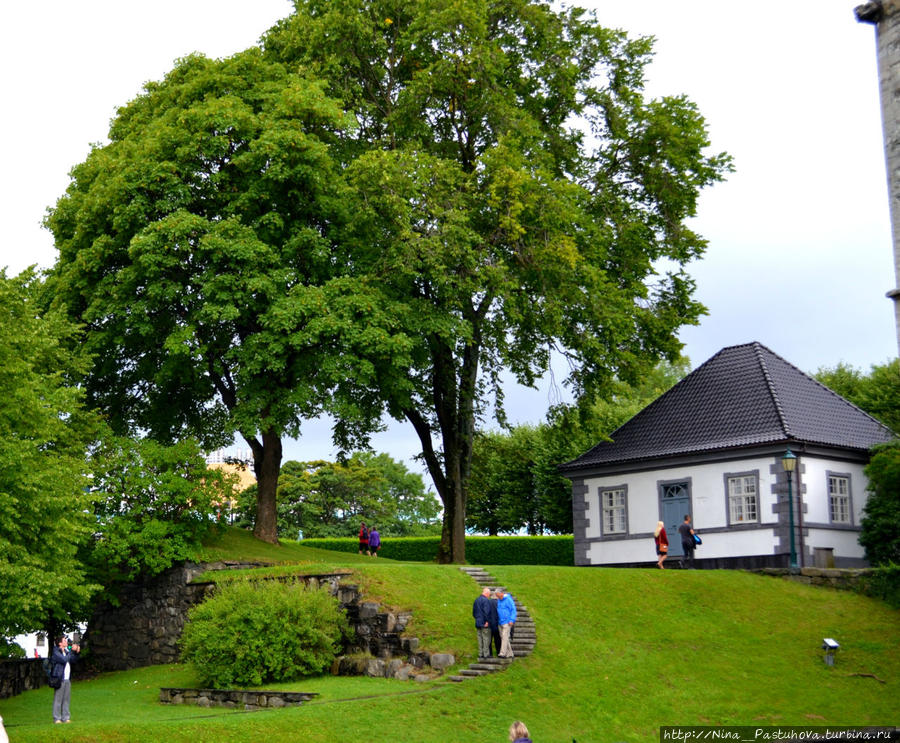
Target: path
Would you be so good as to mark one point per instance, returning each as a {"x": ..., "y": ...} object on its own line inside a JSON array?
[{"x": 523, "y": 640}]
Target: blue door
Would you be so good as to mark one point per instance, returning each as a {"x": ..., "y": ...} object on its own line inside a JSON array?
[{"x": 676, "y": 502}]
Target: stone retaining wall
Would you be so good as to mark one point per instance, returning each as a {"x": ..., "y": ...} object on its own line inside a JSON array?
[
  {"x": 235, "y": 698},
  {"x": 21, "y": 674},
  {"x": 143, "y": 629},
  {"x": 147, "y": 625}
]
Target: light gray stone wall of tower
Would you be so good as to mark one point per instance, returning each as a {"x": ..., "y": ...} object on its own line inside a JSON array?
[{"x": 885, "y": 15}]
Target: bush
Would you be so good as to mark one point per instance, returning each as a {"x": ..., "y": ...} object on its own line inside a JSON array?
[
  {"x": 880, "y": 524},
  {"x": 883, "y": 583},
  {"x": 252, "y": 633},
  {"x": 556, "y": 550}
]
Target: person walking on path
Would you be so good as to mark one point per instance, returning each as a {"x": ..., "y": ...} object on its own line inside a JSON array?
[
  {"x": 662, "y": 544},
  {"x": 481, "y": 611},
  {"x": 374, "y": 541},
  {"x": 61, "y": 660},
  {"x": 687, "y": 542},
  {"x": 518, "y": 733},
  {"x": 506, "y": 615},
  {"x": 363, "y": 538}
]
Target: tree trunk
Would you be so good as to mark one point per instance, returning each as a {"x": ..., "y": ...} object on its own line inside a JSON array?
[
  {"x": 453, "y": 529},
  {"x": 266, "y": 466}
]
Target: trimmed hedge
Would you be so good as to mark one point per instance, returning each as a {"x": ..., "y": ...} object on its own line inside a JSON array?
[{"x": 555, "y": 550}]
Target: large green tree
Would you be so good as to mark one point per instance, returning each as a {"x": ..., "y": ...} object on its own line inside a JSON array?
[
  {"x": 44, "y": 438},
  {"x": 516, "y": 194},
  {"x": 194, "y": 247}
]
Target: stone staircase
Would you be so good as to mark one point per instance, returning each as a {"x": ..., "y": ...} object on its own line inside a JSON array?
[{"x": 523, "y": 640}]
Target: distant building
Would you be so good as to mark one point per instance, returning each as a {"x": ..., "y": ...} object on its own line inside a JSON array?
[
  {"x": 239, "y": 462},
  {"x": 712, "y": 447}
]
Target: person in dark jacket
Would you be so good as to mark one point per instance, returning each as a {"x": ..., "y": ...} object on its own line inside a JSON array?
[
  {"x": 494, "y": 622},
  {"x": 686, "y": 531},
  {"x": 61, "y": 660},
  {"x": 481, "y": 611}
]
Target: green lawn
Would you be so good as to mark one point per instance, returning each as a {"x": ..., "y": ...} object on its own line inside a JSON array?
[{"x": 619, "y": 653}]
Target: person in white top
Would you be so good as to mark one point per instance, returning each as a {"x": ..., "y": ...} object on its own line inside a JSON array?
[{"x": 61, "y": 660}]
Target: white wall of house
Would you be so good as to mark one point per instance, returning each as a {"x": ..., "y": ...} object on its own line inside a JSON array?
[
  {"x": 709, "y": 505},
  {"x": 815, "y": 482}
]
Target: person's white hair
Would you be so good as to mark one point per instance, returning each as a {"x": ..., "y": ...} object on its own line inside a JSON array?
[
  {"x": 659, "y": 528},
  {"x": 518, "y": 730}
]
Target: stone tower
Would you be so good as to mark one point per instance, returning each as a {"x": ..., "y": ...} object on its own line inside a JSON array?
[{"x": 885, "y": 16}]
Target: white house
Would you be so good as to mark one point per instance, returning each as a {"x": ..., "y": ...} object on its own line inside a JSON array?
[{"x": 712, "y": 447}]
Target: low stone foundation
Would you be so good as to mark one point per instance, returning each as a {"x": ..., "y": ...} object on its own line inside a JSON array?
[
  {"x": 841, "y": 578},
  {"x": 235, "y": 698}
]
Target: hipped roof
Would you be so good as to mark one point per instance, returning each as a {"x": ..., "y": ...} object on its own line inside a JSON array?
[{"x": 743, "y": 396}]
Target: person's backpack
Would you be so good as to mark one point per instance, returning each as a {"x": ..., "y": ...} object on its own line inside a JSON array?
[{"x": 53, "y": 683}]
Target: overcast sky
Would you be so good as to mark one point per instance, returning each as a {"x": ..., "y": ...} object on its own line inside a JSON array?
[{"x": 799, "y": 253}]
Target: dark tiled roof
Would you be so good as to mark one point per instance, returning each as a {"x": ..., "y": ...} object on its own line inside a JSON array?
[{"x": 743, "y": 396}]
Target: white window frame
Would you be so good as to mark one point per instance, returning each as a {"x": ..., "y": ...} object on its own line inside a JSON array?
[
  {"x": 742, "y": 496},
  {"x": 614, "y": 510},
  {"x": 840, "y": 500}
]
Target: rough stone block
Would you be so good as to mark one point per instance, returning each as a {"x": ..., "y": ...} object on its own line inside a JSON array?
[
  {"x": 368, "y": 610},
  {"x": 440, "y": 661}
]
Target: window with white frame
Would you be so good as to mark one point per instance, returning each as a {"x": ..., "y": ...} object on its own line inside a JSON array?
[
  {"x": 839, "y": 498},
  {"x": 612, "y": 503},
  {"x": 743, "y": 498}
]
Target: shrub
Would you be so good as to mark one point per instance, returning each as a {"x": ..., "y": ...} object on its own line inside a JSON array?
[
  {"x": 252, "y": 633},
  {"x": 883, "y": 583},
  {"x": 880, "y": 525}
]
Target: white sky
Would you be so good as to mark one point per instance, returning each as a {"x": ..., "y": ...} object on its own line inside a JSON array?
[{"x": 799, "y": 253}]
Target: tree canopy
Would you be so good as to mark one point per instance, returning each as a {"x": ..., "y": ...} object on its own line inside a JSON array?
[
  {"x": 382, "y": 209},
  {"x": 44, "y": 436},
  {"x": 193, "y": 247},
  {"x": 514, "y": 193}
]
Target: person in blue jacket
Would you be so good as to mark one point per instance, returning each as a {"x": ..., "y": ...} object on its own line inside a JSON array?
[
  {"x": 506, "y": 615},
  {"x": 61, "y": 660}
]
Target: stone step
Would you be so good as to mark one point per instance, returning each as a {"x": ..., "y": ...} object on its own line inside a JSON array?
[
  {"x": 489, "y": 667},
  {"x": 473, "y": 672},
  {"x": 456, "y": 679}
]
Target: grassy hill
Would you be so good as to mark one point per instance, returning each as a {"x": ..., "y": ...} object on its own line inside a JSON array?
[{"x": 619, "y": 653}]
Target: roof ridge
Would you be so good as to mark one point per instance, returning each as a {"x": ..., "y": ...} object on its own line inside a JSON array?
[
  {"x": 825, "y": 387},
  {"x": 757, "y": 350}
]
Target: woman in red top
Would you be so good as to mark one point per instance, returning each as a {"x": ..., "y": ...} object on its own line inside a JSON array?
[
  {"x": 662, "y": 543},
  {"x": 363, "y": 538}
]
